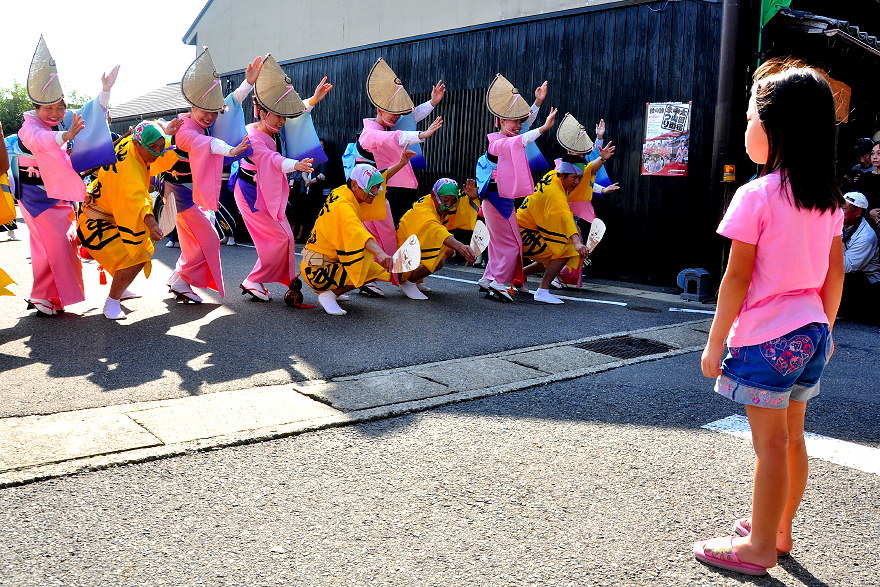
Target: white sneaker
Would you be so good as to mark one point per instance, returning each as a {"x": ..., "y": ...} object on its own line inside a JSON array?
[
  {"x": 327, "y": 300},
  {"x": 112, "y": 310},
  {"x": 411, "y": 290},
  {"x": 172, "y": 245},
  {"x": 343, "y": 298},
  {"x": 256, "y": 290},
  {"x": 230, "y": 242},
  {"x": 10, "y": 235},
  {"x": 423, "y": 288},
  {"x": 544, "y": 295}
]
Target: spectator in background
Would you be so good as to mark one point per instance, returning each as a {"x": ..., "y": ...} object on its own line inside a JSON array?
[
  {"x": 868, "y": 184},
  {"x": 862, "y": 153},
  {"x": 9, "y": 228},
  {"x": 861, "y": 259}
]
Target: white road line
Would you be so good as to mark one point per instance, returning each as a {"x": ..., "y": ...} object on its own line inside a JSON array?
[
  {"x": 692, "y": 311},
  {"x": 558, "y": 296},
  {"x": 840, "y": 452}
]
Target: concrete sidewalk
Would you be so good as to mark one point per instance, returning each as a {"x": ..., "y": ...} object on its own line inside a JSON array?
[{"x": 33, "y": 448}]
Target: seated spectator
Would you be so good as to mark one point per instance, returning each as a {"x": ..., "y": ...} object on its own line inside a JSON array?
[{"x": 861, "y": 260}]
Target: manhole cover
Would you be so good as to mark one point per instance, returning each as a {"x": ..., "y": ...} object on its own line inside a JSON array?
[{"x": 625, "y": 347}]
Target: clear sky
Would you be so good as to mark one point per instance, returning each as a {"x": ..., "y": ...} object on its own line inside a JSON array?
[{"x": 89, "y": 37}]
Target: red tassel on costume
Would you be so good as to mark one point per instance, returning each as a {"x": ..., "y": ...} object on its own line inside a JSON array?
[{"x": 102, "y": 278}]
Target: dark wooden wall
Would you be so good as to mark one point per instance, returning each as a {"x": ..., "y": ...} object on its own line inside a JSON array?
[{"x": 604, "y": 62}]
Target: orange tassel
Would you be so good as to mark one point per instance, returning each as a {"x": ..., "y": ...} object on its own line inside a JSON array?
[{"x": 102, "y": 278}]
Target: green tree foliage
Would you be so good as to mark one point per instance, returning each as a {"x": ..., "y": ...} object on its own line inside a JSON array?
[{"x": 14, "y": 103}]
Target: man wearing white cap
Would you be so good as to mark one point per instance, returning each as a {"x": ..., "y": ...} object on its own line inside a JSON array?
[{"x": 861, "y": 257}]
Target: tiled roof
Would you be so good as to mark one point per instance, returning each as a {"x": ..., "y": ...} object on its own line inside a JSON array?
[
  {"x": 165, "y": 99},
  {"x": 831, "y": 27}
]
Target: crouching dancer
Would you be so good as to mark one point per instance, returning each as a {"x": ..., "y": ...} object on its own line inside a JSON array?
[
  {"x": 431, "y": 218},
  {"x": 337, "y": 256},
  {"x": 116, "y": 224},
  {"x": 549, "y": 233}
]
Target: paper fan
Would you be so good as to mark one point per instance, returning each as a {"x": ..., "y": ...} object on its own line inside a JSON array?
[
  {"x": 573, "y": 136},
  {"x": 505, "y": 101},
  {"x": 408, "y": 256},
  {"x": 200, "y": 85},
  {"x": 597, "y": 231},
  {"x": 43, "y": 86},
  {"x": 480, "y": 238},
  {"x": 275, "y": 92},
  {"x": 168, "y": 214},
  {"x": 386, "y": 91}
]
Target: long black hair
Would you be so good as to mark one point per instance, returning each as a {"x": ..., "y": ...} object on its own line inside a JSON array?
[{"x": 796, "y": 106}]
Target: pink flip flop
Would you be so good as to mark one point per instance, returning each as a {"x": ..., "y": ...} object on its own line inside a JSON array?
[
  {"x": 722, "y": 555},
  {"x": 743, "y": 527}
]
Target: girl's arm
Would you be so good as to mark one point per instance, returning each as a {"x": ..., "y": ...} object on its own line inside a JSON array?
[
  {"x": 734, "y": 287},
  {"x": 832, "y": 289}
]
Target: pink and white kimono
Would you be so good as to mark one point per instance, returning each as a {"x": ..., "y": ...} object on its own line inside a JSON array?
[
  {"x": 48, "y": 186},
  {"x": 510, "y": 180},
  {"x": 261, "y": 192},
  {"x": 196, "y": 195},
  {"x": 387, "y": 146}
]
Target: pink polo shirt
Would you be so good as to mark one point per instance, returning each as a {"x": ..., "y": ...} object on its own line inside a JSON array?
[{"x": 791, "y": 259}]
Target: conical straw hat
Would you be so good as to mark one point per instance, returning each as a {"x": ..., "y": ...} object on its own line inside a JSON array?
[
  {"x": 200, "y": 85},
  {"x": 573, "y": 136},
  {"x": 275, "y": 92},
  {"x": 386, "y": 91},
  {"x": 505, "y": 101},
  {"x": 43, "y": 86}
]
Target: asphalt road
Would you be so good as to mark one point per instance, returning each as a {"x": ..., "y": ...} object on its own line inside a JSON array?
[
  {"x": 601, "y": 481},
  {"x": 167, "y": 350}
]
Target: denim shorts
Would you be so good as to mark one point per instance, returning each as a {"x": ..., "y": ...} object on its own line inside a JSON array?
[{"x": 769, "y": 374}]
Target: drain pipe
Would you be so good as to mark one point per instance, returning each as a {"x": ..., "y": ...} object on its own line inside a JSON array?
[{"x": 736, "y": 56}]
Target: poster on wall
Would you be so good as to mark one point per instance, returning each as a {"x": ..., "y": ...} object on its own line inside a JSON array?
[{"x": 667, "y": 134}]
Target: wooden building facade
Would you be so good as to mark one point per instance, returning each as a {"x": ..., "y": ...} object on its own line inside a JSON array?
[
  {"x": 608, "y": 61},
  {"x": 602, "y": 62}
]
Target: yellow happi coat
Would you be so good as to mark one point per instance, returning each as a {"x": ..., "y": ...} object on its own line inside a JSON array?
[
  {"x": 546, "y": 223},
  {"x": 335, "y": 253},
  {"x": 111, "y": 225},
  {"x": 8, "y": 207},
  {"x": 378, "y": 208},
  {"x": 4, "y": 281},
  {"x": 432, "y": 228}
]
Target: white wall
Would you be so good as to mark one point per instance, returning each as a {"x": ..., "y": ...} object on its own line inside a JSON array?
[{"x": 238, "y": 30}]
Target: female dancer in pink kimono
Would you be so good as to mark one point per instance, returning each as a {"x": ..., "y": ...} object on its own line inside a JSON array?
[
  {"x": 503, "y": 174},
  {"x": 194, "y": 181},
  {"x": 49, "y": 184},
  {"x": 261, "y": 188},
  {"x": 383, "y": 140}
]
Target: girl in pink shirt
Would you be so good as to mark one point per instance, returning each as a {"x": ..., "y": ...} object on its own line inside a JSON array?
[{"x": 778, "y": 300}]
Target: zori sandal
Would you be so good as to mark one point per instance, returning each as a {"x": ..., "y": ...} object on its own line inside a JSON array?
[
  {"x": 743, "y": 527},
  {"x": 718, "y": 552}
]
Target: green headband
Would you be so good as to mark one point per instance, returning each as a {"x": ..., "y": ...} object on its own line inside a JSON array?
[{"x": 147, "y": 133}]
